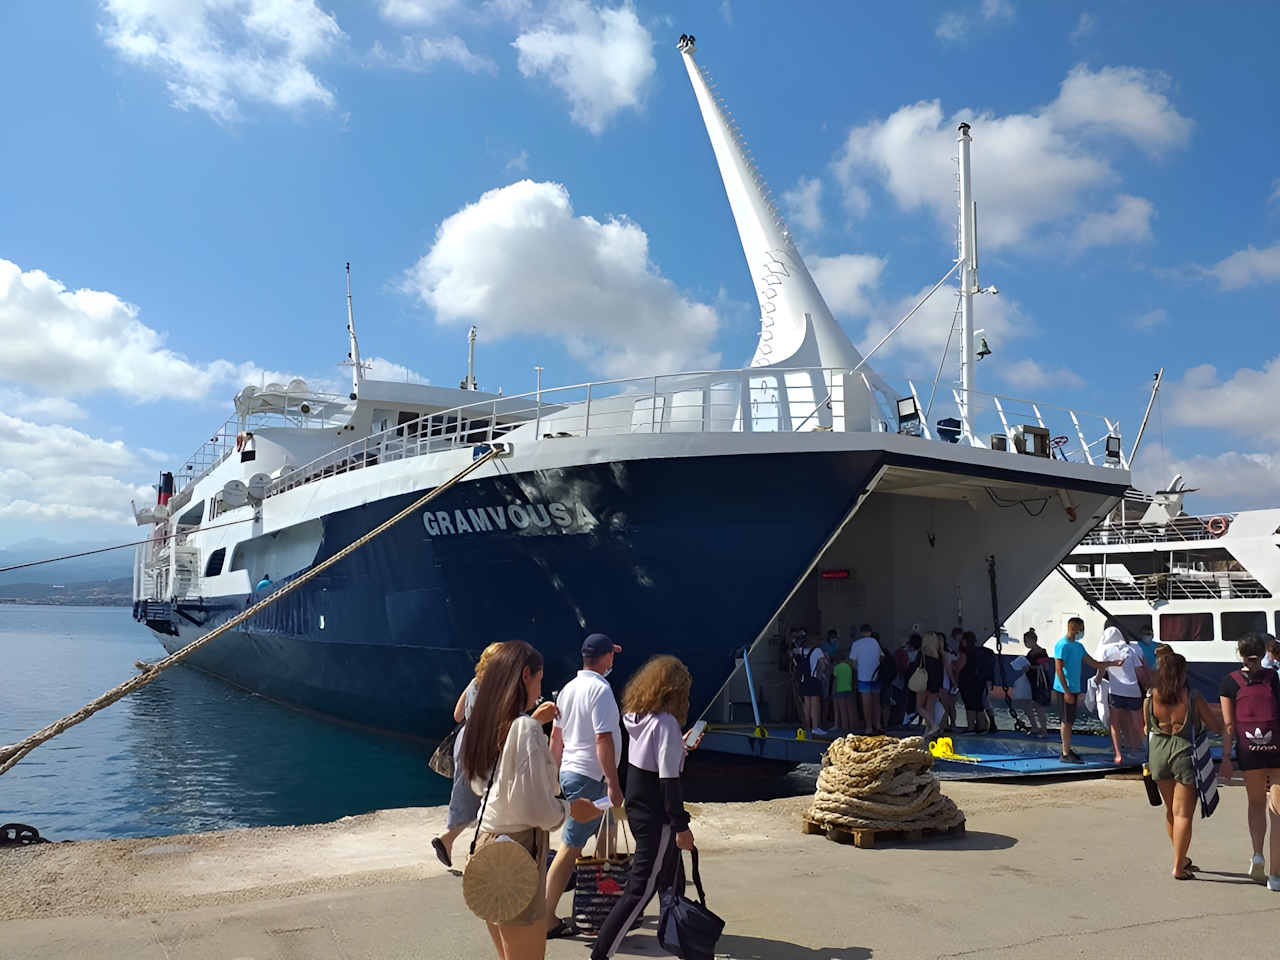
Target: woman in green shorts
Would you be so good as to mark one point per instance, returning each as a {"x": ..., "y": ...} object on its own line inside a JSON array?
[{"x": 1170, "y": 725}]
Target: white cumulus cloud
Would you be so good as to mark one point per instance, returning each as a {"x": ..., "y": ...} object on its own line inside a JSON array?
[
  {"x": 415, "y": 12},
  {"x": 804, "y": 204},
  {"x": 214, "y": 54},
  {"x": 518, "y": 261},
  {"x": 1035, "y": 380},
  {"x": 1049, "y": 177},
  {"x": 1247, "y": 267},
  {"x": 601, "y": 59},
  {"x": 52, "y": 472},
  {"x": 849, "y": 282}
]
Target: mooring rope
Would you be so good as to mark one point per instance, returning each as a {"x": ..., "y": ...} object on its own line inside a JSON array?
[{"x": 11, "y": 754}]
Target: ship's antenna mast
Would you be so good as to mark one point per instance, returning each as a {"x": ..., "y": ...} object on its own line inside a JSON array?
[
  {"x": 357, "y": 371},
  {"x": 470, "y": 382},
  {"x": 968, "y": 282}
]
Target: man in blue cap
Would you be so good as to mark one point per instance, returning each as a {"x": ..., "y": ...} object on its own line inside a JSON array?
[{"x": 586, "y": 741}]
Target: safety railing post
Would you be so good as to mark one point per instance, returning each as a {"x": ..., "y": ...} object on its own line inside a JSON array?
[{"x": 586, "y": 416}]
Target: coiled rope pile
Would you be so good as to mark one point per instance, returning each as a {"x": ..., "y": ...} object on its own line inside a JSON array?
[{"x": 881, "y": 783}]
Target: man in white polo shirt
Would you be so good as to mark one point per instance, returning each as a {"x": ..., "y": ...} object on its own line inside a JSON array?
[{"x": 586, "y": 741}]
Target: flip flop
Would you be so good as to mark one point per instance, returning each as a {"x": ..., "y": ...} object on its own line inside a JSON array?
[
  {"x": 441, "y": 853},
  {"x": 1189, "y": 866},
  {"x": 563, "y": 928},
  {"x": 1184, "y": 874}
]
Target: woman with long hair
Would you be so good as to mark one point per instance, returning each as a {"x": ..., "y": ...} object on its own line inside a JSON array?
[
  {"x": 506, "y": 756},
  {"x": 655, "y": 705},
  {"x": 1172, "y": 709},
  {"x": 1250, "y": 699},
  {"x": 931, "y": 649}
]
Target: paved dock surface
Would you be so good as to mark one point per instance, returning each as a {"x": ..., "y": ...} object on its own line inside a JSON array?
[{"x": 1045, "y": 871}]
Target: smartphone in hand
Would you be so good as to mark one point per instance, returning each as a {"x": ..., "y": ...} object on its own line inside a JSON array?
[{"x": 694, "y": 736}]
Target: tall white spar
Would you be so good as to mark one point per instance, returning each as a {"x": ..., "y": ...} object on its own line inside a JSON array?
[{"x": 796, "y": 326}]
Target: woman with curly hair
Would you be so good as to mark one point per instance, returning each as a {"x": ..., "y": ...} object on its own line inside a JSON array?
[{"x": 655, "y": 705}]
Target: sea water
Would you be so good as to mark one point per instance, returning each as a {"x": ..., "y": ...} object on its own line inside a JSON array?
[{"x": 186, "y": 753}]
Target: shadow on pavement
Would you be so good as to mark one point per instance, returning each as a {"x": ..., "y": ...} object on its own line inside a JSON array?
[
  {"x": 972, "y": 840},
  {"x": 749, "y": 948}
]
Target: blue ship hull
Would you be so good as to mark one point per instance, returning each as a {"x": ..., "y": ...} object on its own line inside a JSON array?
[{"x": 690, "y": 556}]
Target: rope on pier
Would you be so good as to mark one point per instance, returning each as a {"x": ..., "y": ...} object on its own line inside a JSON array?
[
  {"x": 11, "y": 754},
  {"x": 881, "y": 783}
]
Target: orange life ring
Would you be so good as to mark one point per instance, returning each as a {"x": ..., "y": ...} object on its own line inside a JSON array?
[{"x": 1218, "y": 526}]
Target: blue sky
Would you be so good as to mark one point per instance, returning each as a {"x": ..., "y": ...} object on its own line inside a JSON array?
[{"x": 183, "y": 183}]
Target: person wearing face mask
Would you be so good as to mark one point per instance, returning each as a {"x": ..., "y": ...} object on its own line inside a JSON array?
[
  {"x": 1068, "y": 683},
  {"x": 585, "y": 741},
  {"x": 1147, "y": 643}
]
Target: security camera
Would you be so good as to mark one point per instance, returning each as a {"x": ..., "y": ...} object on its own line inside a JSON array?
[{"x": 992, "y": 290}]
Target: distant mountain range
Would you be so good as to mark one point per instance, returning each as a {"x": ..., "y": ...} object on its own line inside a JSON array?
[
  {"x": 102, "y": 593},
  {"x": 114, "y": 565}
]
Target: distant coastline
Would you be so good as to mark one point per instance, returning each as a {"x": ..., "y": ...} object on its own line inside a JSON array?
[
  {"x": 113, "y": 601},
  {"x": 85, "y": 593}
]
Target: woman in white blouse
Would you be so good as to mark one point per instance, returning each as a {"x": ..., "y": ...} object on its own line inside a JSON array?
[{"x": 505, "y": 745}]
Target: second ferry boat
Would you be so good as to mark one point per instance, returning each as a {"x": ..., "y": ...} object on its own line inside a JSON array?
[{"x": 687, "y": 513}]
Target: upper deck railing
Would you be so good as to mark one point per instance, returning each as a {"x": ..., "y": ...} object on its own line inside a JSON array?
[
  {"x": 754, "y": 400},
  {"x": 1178, "y": 530}
]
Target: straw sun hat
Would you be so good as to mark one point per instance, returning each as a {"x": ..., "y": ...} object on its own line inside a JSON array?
[{"x": 500, "y": 881}]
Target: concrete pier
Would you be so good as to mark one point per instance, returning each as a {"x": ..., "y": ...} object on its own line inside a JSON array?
[{"x": 1049, "y": 871}]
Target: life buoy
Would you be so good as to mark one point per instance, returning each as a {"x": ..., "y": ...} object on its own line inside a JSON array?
[
  {"x": 1218, "y": 526},
  {"x": 239, "y": 442}
]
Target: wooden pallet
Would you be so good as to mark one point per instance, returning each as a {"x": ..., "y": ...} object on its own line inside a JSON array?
[{"x": 866, "y": 839}]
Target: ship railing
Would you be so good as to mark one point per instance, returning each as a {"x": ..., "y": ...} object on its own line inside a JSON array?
[
  {"x": 752, "y": 400},
  {"x": 1175, "y": 586},
  {"x": 1178, "y": 530}
]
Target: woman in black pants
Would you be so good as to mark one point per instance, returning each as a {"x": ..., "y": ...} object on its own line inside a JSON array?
[{"x": 655, "y": 705}]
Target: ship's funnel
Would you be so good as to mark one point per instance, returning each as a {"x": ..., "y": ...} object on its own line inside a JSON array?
[{"x": 796, "y": 326}]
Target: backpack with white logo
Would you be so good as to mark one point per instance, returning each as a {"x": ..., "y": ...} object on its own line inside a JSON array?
[{"x": 1257, "y": 716}]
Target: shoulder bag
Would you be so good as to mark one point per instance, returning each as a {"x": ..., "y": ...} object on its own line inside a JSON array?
[
  {"x": 441, "y": 761},
  {"x": 920, "y": 678},
  {"x": 500, "y": 879},
  {"x": 686, "y": 928}
]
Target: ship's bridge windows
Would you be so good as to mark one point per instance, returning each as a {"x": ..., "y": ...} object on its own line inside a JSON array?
[
  {"x": 1185, "y": 626},
  {"x": 214, "y": 566},
  {"x": 1236, "y": 623}
]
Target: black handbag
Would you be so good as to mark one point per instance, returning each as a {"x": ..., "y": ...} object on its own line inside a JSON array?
[
  {"x": 686, "y": 928},
  {"x": 442, "y": 760}
]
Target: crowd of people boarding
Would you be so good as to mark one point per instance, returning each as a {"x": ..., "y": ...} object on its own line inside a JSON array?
[{"x": 514, "y": 783}]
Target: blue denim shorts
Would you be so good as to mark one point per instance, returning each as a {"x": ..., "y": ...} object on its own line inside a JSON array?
[
  {"x": 575, "y": 785},
  {"x": 868, "y": 686}
]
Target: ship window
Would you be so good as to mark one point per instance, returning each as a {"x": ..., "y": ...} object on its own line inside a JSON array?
[
  {"x": 1185, "y": 626},
  {"x": 1083, "y": 568},
  {"x": 214, "y": 566},
  {"x": 1237, "y": 623},
  {"x": 1134, "y": 622},
  {"x": 407, "y": 423},
  {"x": 193, "y": 516}
]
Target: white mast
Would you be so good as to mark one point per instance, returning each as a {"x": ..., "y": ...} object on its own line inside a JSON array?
[
  {"x": 357, "y": 373},
  {"x": 968, "y": 283},
  {"x": 797, "y": 328},
  {"x": 470, "y": 382}
]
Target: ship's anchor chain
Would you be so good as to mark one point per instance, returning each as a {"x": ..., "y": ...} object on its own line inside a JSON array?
[
  {"x": 1018, "y": 724},
  {"x": 11, "y": 754}
]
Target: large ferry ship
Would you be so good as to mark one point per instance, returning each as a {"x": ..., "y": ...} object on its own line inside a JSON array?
[
  {"x": 1199, "y": 582},
  {"x": 689, "y": 513}
]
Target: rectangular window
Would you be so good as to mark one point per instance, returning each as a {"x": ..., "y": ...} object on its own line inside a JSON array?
[
  {"x": 1237, "y": 623},
  {"x": 214, "y": 566},
  {"x": 1185, "y": 626},
  {"x": 1134, "y": 622}
]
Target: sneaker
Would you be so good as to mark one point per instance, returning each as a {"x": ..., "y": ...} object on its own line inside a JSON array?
[
  {"x": 818, "y": 732},
  {"x": 1069, "y": 758},
  {"x": 1273, "y": 882},
  {"x": 1257, "y": 869},
  {"x": 1075, "y": 757}
]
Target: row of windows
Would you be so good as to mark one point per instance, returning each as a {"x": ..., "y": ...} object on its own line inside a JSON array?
[{"x": 1200, "y": 626}]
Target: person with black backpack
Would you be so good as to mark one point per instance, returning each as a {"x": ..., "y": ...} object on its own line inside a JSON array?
[{"x": 1251, "y": 720}]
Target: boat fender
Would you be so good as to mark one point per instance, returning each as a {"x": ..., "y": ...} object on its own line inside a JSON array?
[{"x": 1218, "y": 526}]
